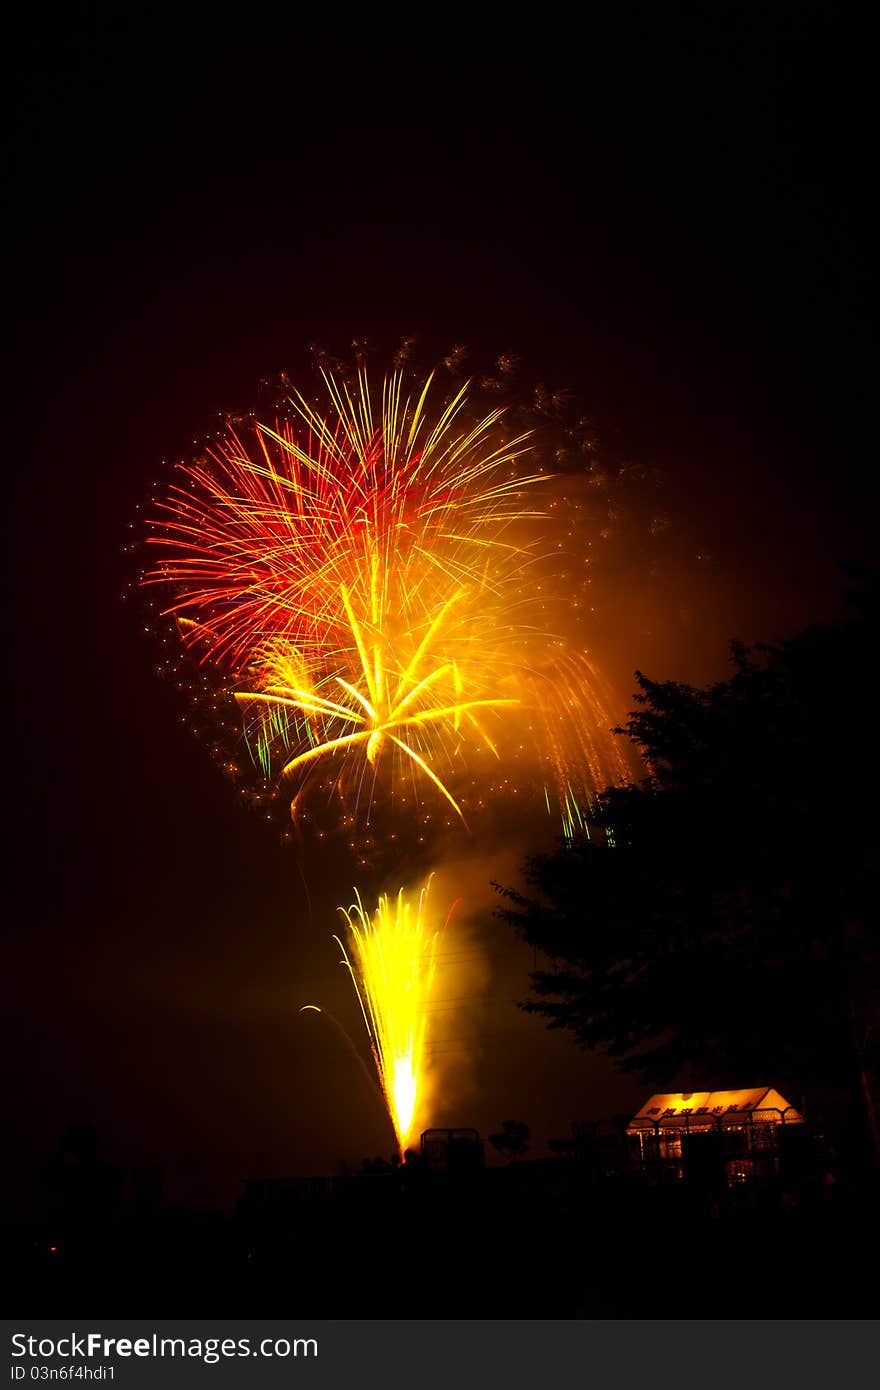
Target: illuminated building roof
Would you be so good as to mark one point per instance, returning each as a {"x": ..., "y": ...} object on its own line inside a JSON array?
[{"x": 696, "y": 1109}]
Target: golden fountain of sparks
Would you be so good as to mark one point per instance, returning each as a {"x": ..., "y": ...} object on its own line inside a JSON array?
[{"x": 390, "y": 956}]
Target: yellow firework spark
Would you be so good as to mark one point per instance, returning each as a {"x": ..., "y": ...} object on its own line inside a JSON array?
[{"x": 390, "y": 955}]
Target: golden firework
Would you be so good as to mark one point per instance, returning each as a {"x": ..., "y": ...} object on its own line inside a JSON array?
[{"x": 390, "y": 954}]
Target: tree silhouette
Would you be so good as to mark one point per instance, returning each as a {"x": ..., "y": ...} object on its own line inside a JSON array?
[
  {"x": 512, "y": 1140},
  {"x": 730, "y": 934}
]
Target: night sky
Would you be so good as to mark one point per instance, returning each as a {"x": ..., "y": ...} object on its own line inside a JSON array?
[{"x": 662, "y": 214}]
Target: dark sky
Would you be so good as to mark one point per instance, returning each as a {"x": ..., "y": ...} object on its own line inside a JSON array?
[{"x": 662, "y": 212}]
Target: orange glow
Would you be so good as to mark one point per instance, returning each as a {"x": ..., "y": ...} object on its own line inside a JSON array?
[{"x": 706, "y": 1107}]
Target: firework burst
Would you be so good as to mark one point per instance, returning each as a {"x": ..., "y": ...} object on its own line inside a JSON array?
[{"x": 362, "y": 574}]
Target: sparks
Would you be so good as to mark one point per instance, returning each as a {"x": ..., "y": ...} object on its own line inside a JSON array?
[
  {"x": 349, "y": 570},
  {"x": 359, "y": 572},
  {"x": 390, "y": 955}
]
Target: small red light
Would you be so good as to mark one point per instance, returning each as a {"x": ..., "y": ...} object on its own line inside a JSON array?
[{"x": 52, "y": 1249}]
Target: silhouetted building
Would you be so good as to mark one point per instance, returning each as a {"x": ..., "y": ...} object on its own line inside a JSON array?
[{"x": 452, "y": 1150}]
